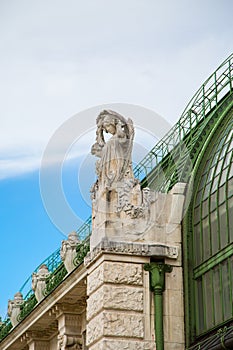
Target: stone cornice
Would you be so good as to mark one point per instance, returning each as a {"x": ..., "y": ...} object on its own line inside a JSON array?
[
  {"x": 129, "y": 248},
  {"x": 44, "y": 307}
]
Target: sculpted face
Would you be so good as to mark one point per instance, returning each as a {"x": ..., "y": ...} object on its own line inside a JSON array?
[{"x": 109, "y": 125}]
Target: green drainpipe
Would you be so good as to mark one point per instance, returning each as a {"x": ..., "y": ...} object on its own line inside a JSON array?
[{"x": 157, "y": 285}]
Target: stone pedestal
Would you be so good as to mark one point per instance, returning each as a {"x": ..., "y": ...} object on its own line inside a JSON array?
[
  {"x": 118, "y": 304},
  {"x": 131, "y": 227},
  {"x": 120, "y": 307}
]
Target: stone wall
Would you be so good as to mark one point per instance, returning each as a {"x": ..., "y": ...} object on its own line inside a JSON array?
[
  {"x": 117, "y": 307},
  {"x": 120, "y": 305}
]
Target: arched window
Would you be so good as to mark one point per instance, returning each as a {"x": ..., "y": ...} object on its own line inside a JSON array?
[{"x": 211, "y": 234}]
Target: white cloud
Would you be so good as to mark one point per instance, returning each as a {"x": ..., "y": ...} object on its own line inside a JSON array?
[
  {"x": 19, "y": 166},
  {"x": 61, "y": 57}
]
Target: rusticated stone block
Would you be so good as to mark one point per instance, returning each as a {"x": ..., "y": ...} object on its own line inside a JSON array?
[
  {"x": 115, "y": 324},
  {"x": 108, "y": 344},
  {"x": 95, "y": 329},
  {"x": 95, "y": 279},
  {"x": 124, "y": 325},
  {"x": 115, "y": 297},
  {"x": 115, "y": 272}
]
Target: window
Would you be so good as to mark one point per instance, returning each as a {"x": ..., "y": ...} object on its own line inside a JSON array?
[{"x": 212, "y": 234}]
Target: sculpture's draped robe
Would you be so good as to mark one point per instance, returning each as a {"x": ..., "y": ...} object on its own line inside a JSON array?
[{"x": 115, "y": 160}]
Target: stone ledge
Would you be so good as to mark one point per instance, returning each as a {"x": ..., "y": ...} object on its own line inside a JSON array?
[
  {"x": 129, "y": 248},
  {"x": 123, "y": 344}
]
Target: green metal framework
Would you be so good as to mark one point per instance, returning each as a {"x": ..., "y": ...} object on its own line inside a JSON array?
[
  {"x": 57, "y": 275},
  {"x": 169, "y": 159},
  {"x": 222, "y": 339},
  {"x": 208, "y": 230},
  {"x": 206, "y": 99}
]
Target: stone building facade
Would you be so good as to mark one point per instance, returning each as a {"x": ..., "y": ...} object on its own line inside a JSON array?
[
  {"x": 107, "y": 301},
  {"x": 155, "y": 273}
]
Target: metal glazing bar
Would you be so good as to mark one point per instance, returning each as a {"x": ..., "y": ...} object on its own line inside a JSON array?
[{"x": 213, "y": 261}]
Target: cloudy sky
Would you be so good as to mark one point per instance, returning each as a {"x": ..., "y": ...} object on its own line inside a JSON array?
[{"x": 59, "y": 58}]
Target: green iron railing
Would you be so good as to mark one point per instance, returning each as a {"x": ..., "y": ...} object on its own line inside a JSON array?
[
  {"x": 222, "y": 339},
  {"x": 5, "y": 328},
  {"x": 206, "y": 99},
  {"x": 85, "y": 230},
  {"x": 52, "y": 262},
  {"x": 57, "y": 274},
  {"x": 218, "y": 85}
]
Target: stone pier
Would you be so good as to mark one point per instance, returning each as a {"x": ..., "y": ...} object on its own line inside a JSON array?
[{"x": 131, "y": 227}]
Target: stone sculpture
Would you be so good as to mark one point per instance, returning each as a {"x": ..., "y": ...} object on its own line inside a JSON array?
[
  {"x": 13, "y": 310},
  {"x": 68, "y": 251},
  {"x": 120, "y": 207},
  {"x": 39, "y": 282},
  {"x": 115, "y": 154}
]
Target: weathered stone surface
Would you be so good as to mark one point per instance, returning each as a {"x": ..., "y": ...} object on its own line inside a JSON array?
[
  {"x": 115, "y": 163},
  {"x": 174, "y": 346},
  {"x": 39, "y": 282},
  {"x": 174, "y": 329},
  {"x": 95, "y": 329},
  {"x": 173, "y": 303},
  {"x": 124, "y": 325},
  {"x": 123, "y": 273},
  {"x": 13, "y": 310},
  {"x": 174, "y": 280},
  {"x": 68, "y": 251},
  {"x": 95, "y": 279},
  {"x": 39, "y": 345},
  {"x": 119, "y": 205},
  {"x": 115, "y": 297},
  {"x": 115, "y": 272},
  {"x": 115, "y": 324},
  {"x": 66, "y": 341},
  {"x": 141, "y": 249},
  {"x": 123, "y": 345}
]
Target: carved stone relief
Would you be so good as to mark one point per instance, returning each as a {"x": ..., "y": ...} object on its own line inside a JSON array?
[{"x": 67, "y": 342}]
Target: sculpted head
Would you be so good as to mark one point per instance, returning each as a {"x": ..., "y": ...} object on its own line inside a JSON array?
[
  {"x": 73, "y": 237},
  {"x": 18, "y": 296},
  {"x": 107, "y": 121},
  {"x": 109, "y": 124}
]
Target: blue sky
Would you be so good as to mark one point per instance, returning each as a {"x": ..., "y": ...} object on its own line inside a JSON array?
[{"x": 59, "y": 58}]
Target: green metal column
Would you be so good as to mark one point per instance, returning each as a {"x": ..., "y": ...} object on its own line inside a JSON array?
[{"x": 157, "y": 285}]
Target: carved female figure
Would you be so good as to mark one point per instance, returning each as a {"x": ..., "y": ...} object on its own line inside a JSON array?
[{"x": 115, "y": 154}]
